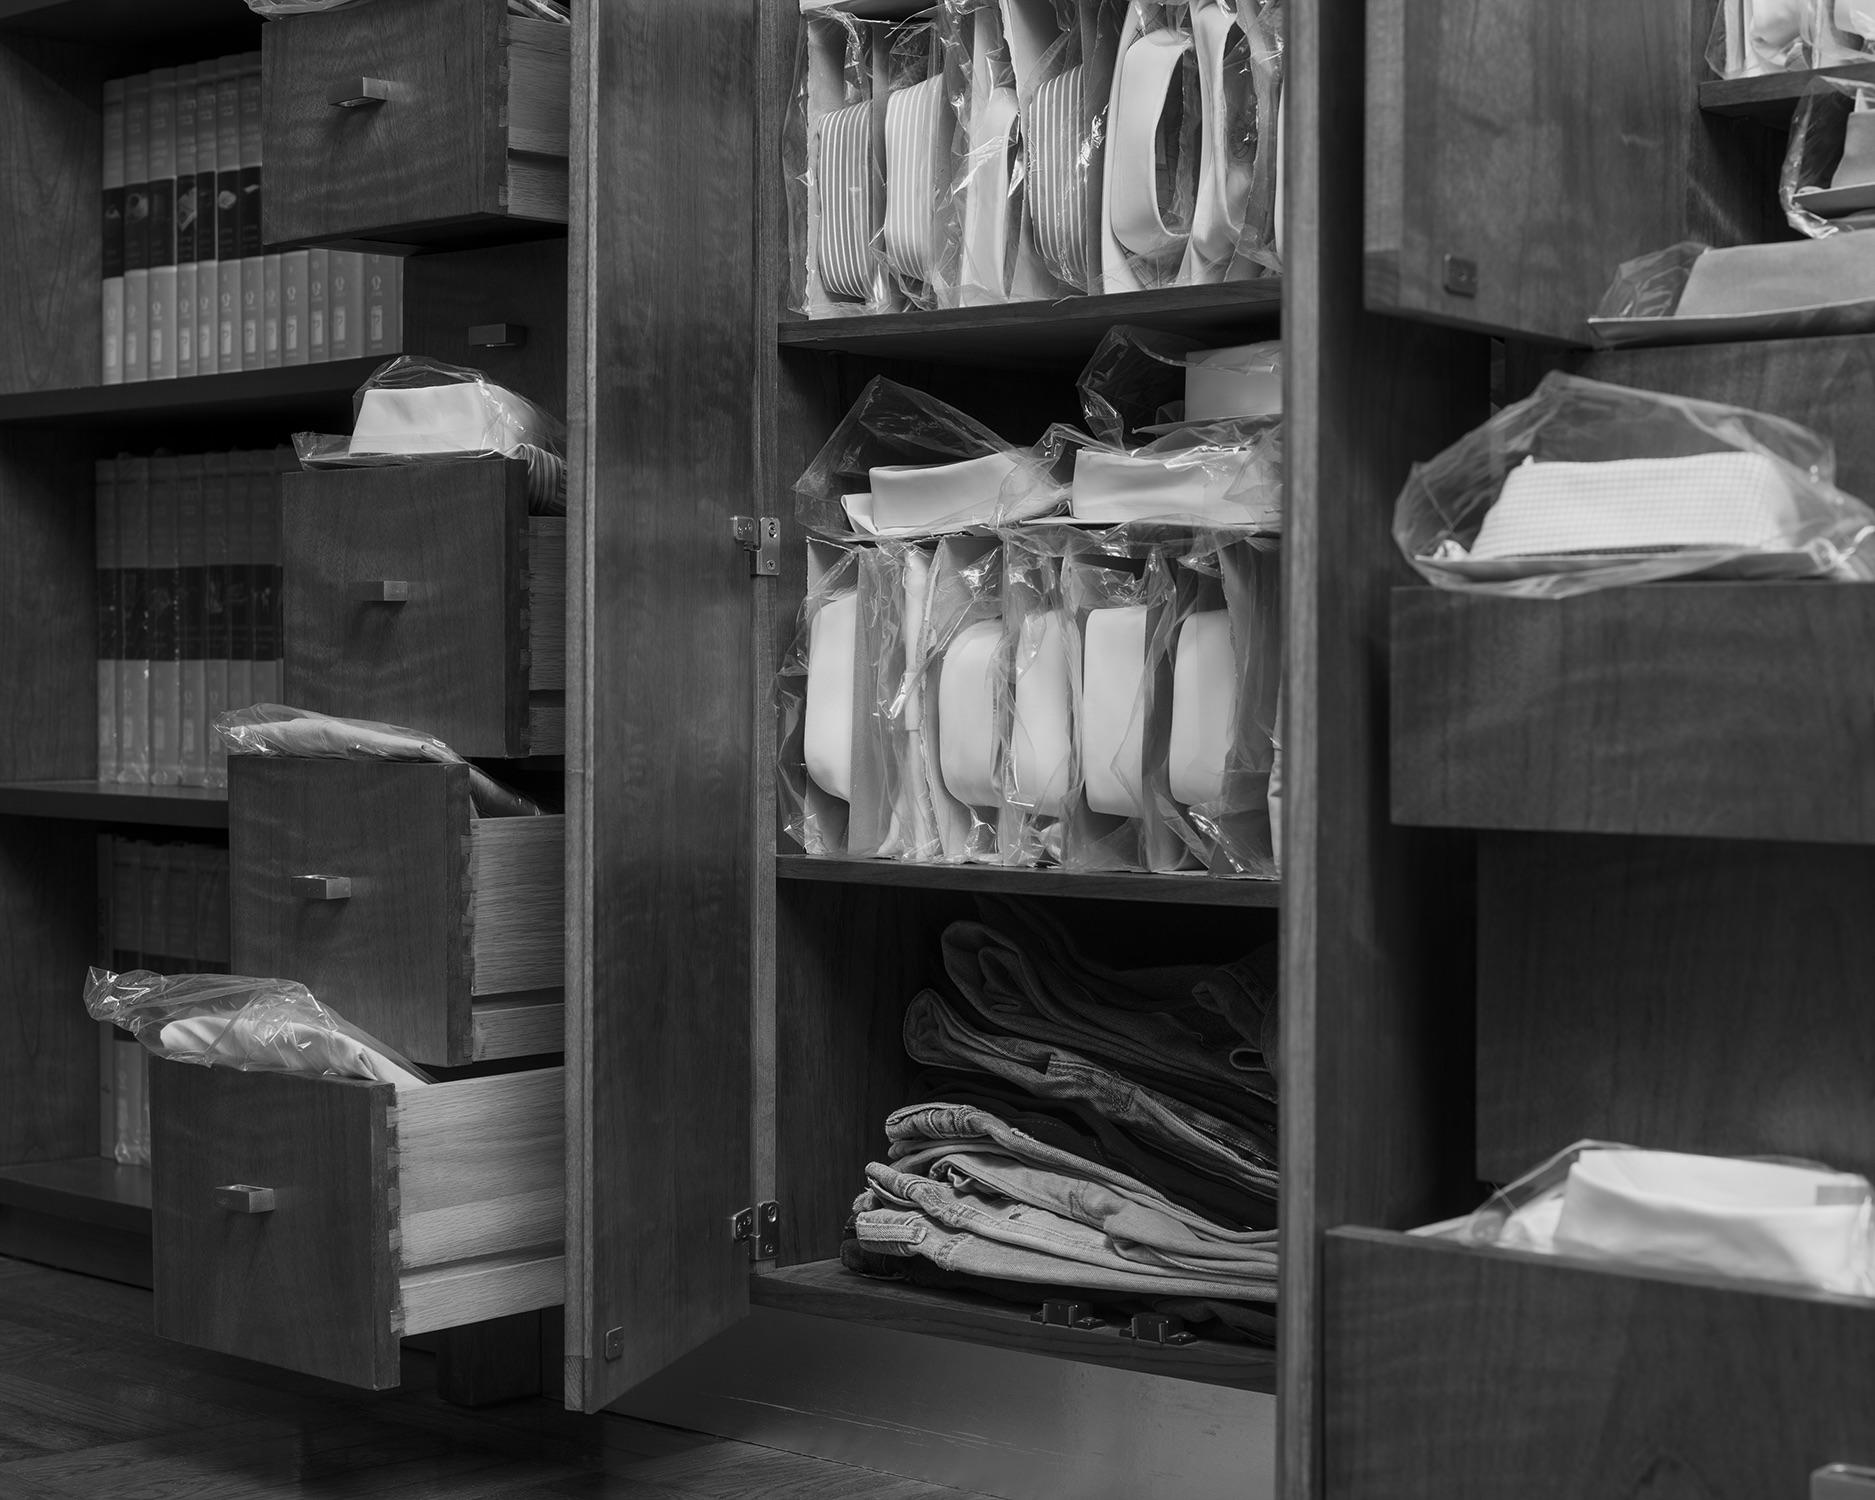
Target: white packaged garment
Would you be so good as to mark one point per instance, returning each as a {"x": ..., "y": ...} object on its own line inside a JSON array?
[
  {"x": 1111, "y": 726},
  {"x": 1730, "y": 499},
  {"x": 919, "y": 499},
  {"x": 968, "y": 693},
  {"x": 845, "y": 181},
  {"x": 1151, "y": 71},
  {"x": 1787, "y": 276},
  {"x": 1245, "y": 380},
  {"x": 1041, "y": 736},
  {"x": 1060, "y": 175},
  {"x": 1224, "y": 175},
  {"x": 275, "y": 1040},
  {"x": 1229, "y": 486},
  {"x": 1204, "y": 707},
  {"x": 827, "y": 734},
  {"x": 917, "y": 140},
  {"x": 466, "y": 417}
]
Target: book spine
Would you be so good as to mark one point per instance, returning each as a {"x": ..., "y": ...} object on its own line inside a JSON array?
[
  {"x": 136, "y": 227},
  {"x": 165, "y": 638},
  {"x": 253, "y": 270},
  {"x": 382, "y": 334},
  {"x": 318, "y": 350},
  {"x": 207, "y": 284},
  {"x": 237, "y": 598},
  {"x": 215, "y": 610},
  {"x": 294, "y": 275},
  {"x": 187, "y": 218},
  {"x": 161, "y": 357},
  {"x": 192, "y": 621},
  {"x": 345, "y": 301},
  {"x": 112, "y": 223},
  {"x": 133, "y": 679},
  {"x": 108, "y": 628},
  {"x": 228, "y": 214},
  {"x": 272, "y": 293}
]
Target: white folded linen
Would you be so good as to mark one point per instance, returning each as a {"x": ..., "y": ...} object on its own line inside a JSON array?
[
  {"x": 1729, "y": 499},
  {"x": 917, "y": 499},
  {"x": 1111, "y": 725},
  {"x": 283, "y": 1046},
  {"x": 1061, "y": 173},
  {"x": 1245, "y": 380},
  {"x": 845, "y": 183},
  {"x": 827, "y": 733},
  {"x": 465, "y": 417},
  {"x": 1151, "y": 74},
  {"x": 969, "y": 687},
  {"x": 1209, "y": 484},
  {"x": 916, "y": 143},
  {"x": 1228, "y": 94},
  {"x": 1041, "y": 735},
  {"x": 1204, "y": 707},
  {"x": 1784, "y": 276}
]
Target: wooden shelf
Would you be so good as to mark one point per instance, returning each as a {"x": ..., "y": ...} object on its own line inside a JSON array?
[
  {"x": 302, "y": 391},
  {"x": 125, "y": 23},
  {"x": 825, "y": 1289},
  {"x": 86, "y": 1189},
  {"x": 1772, "y": 96},
  {"x": 95, "y": 802},
  {"x": 1045, "y": 334},
  {"x": 1184, "y": 890}
]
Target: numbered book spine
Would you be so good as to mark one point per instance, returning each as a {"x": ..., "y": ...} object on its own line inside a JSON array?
[
  {"x": 112, "y": 223},
  {"x": 133, "y": 678},
  {"x": 272, "y": 296},
  {"x": 187, "y": 217},
  {"x": 162, "y": 345},
  {"x": 295, "y": 268},
  {"x": 136, "y": 227},
  {"x": 207, "y": 282},
  {"x": 253, "y": 270},
  {"x": 228, "y": 214},
  {"x": 192, "y": 618},
  {"x": 384, "y": 333},
  {"x": 318, "y": 349},
  {"x": 109, "y": 631},
  {"x": 216, "y": 637},
  {"x": 346, "y": 303},
  {"x": 165, "y": 568}
]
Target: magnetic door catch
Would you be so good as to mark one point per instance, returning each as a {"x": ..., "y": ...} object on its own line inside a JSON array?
[
  {"x": 1461, "y": 276},
  {"x": 759, "y": 1228},
  {"x": 615, "y": 1343},
  {"x": 1059, "y": 1312},
  {"x": 1158, "y": 1328},
  {"x": 760, "y": 537}
]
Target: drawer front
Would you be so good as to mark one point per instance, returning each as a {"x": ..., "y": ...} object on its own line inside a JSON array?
[
  {"x": 393, "y": 954},
  {"x": 1452, "y": 1374},
  {"x": 309, "y": 1283},
  {"x": 406, "y": 599},
  {"x": 500, "y": 310},
  {"x": 430, "y": 151}
]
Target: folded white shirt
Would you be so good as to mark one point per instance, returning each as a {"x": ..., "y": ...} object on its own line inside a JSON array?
[
  {"x": 1204, "y": 707},
  {"x": 1245, "y": 380},
  {"x": 466, "y": 417},
  {"x": 1781, "y": 277},
  {"x": 1112, "y": 722},
  {"x": 918, "y": 499},
  {"x": 969, "y": 687},
  {"x": 1234, "y": 486},
  {"x": 1041, "y": 735},
  {"x": 827, "y": 734}
]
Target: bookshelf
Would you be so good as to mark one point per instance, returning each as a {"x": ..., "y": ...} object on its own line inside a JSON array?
[
  {"x": 308, "y": 394},
  {"x": 95, "y": 802}
]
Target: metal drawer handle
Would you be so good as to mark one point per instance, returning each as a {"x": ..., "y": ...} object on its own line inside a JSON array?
[
  {"x": 358, "y": 93},
  {"x": 240, "y": 1198},
  {"x": 383, "y": 591},
  {"x": 322, "y": 887},
  {"x": 497, "y": 335}
]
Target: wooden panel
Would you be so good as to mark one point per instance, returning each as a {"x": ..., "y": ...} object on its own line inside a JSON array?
[
  {"x": 450, "y": 661},
  {"x": 317, "y": 394},
  {"x": 434, "y": 151},
  {"x": 523, "y": 1026},
  {"x": 546, "y": 607},
  {"x": 1176, "y": 890},
  {"x": 1717, "y": 710},
  {"x": 523, "y": 286},
  {"x": 1770, "y": 97},
  {"x": 478, "y": 1290},
  {"x": 1455, "y": 1374},
  {"x": 1375, "y": 920},
  {"x": 96, "y": 802},
  {"x": 661, "y": 685},
  {"x": 392, "y": 958},
  {"x": 1479, "y": 148},
  {"x": 517, "y": 905},
  {"x": 51, "y": 112},
  {"x": 310, "y": 1286},
  {"x": 1625, "y": 993},
  {"x": 1825, "y": 384}
]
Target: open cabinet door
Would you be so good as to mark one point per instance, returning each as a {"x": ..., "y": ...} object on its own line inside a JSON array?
[
  {"x": 1518, "y": 151},
  {"x": 660, "y": 684}
]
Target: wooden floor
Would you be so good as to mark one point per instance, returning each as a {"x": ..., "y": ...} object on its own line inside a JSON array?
[{"x": 93, "y": 1404}]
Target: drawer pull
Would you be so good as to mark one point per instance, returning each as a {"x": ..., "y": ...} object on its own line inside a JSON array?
[
  {"x": 358, "y": 93},
  {"x": 383, "y": 591},
  {"x": 497, "y": 335},
  {"x": 240, "y": 1198},
  {"x": 322, "y": 887},
  {"x": 1842, "y": 1482}
]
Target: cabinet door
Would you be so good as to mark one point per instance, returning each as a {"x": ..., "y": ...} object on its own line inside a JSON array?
[
  {"x": 1519, "y": 152},
  {"x": 661, "y": 691}
]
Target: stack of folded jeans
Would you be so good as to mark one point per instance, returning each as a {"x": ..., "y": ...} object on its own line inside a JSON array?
[{"x": 1109, "y": 1132}]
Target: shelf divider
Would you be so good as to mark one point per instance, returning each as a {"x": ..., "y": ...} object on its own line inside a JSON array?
[{"x": 1119, "y": 885}]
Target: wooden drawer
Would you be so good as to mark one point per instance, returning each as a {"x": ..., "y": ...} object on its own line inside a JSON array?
[
  {"x": 500, "y": 309},
  {"x": 1451, "y": 1374},
  {"x": 447, "y": 940},
  {"x": 420, "y": 122},
  {"x": 391, "y": 1213},
  {"x": 1708, "y": 710},
  {"x": 468, "y": 642}
]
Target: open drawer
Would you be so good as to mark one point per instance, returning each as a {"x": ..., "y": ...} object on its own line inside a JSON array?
[
  {"x": 1457, "y": 1374},
  {"x": 311, "y": 1223}
]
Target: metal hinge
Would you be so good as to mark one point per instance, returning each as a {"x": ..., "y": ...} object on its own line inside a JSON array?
[
  {"x": 759, "y": 1228},
  {"x": 1059, "y": 1312},
  {"x": 760, "y": 537}
]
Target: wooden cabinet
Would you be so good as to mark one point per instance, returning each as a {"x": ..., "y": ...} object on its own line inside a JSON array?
[
  {"x": 310, "y": 1223},
  {"x": 375, "y": 885},
  {"x": 500, "y": 309},
  {"x": 423, "y": 123},
  {"x": 426, "y": 595}
]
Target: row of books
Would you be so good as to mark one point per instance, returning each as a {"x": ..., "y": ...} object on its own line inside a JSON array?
[
  {"x": 167, "y": 909},
  {"x": 188, "y": 286},
  {"x": 189, "y": 622}
]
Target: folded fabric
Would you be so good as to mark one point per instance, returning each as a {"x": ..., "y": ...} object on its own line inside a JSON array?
[
  {"x": 845, "y": 182},
  {"x": 279, "y": 1043},
  {"x": 464, "y": 417},
  {"x": 1784, "y": 276},
  {"x": 1152, "y": 171},
  {"x": 1111, "y": 723},
  {"x": 1245, "y": 380},
  {"x": 1238, "y": 486},
  {"x": 827, "y": 733},
  {"x": 1041, "y": 730},
  {"x": 969, "y": 692},
  {"x": 1857, "y": 167},
  {"x": 916, "y": 141},
  {"x": 918, "y": 499},
  {"x": 1228, "y": 94},
  {"x": 1204, "y": 707},
  {"x": 1060, "y": 172},
  {"x": 1729, "y": 499}
]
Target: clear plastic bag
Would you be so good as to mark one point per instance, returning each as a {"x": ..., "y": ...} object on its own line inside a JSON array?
[
  {"x": 275, "y": 729},
  {"x": 1753, "y": 37},
  {"x": 541, "y": 10},
  {"x": 903, "y": 464},
  {"x": 1827, "y": 183},
  {"x": 963, "y": 727},
  {"x": 817, "y": 700},
  {"x": 1040, "y": 775},
  {"x": 1064, "y": 53},
  {"x": 918, "y": 240},
  {"x": 251, "y": 1025},
  {"x": 1705, "y": 490},
  {"x": 418, "y": 410},
  {"x": 1687, "y": 293}
]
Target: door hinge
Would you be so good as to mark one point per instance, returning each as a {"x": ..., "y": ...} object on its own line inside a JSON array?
[
  {"x": 760, "y": 537},
  {"x": 759, "y": 1228}
]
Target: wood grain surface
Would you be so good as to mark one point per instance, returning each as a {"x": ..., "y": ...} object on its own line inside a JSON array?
[
  {"x": 517, "y": 905},
  {"x": 519, "y": 1025},
  {"x": 1716, "y": 710},
  {"x": 1479, "y": 147},
  {"x": 524, "y": 286},
  {"x": 1455, "y": 1374},
  {"x": 546, "y": 605},
  {"x": 311, "y": 1286},
  {"x": 451, "y": 661},
  {"x": 394, "y": 958}
]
